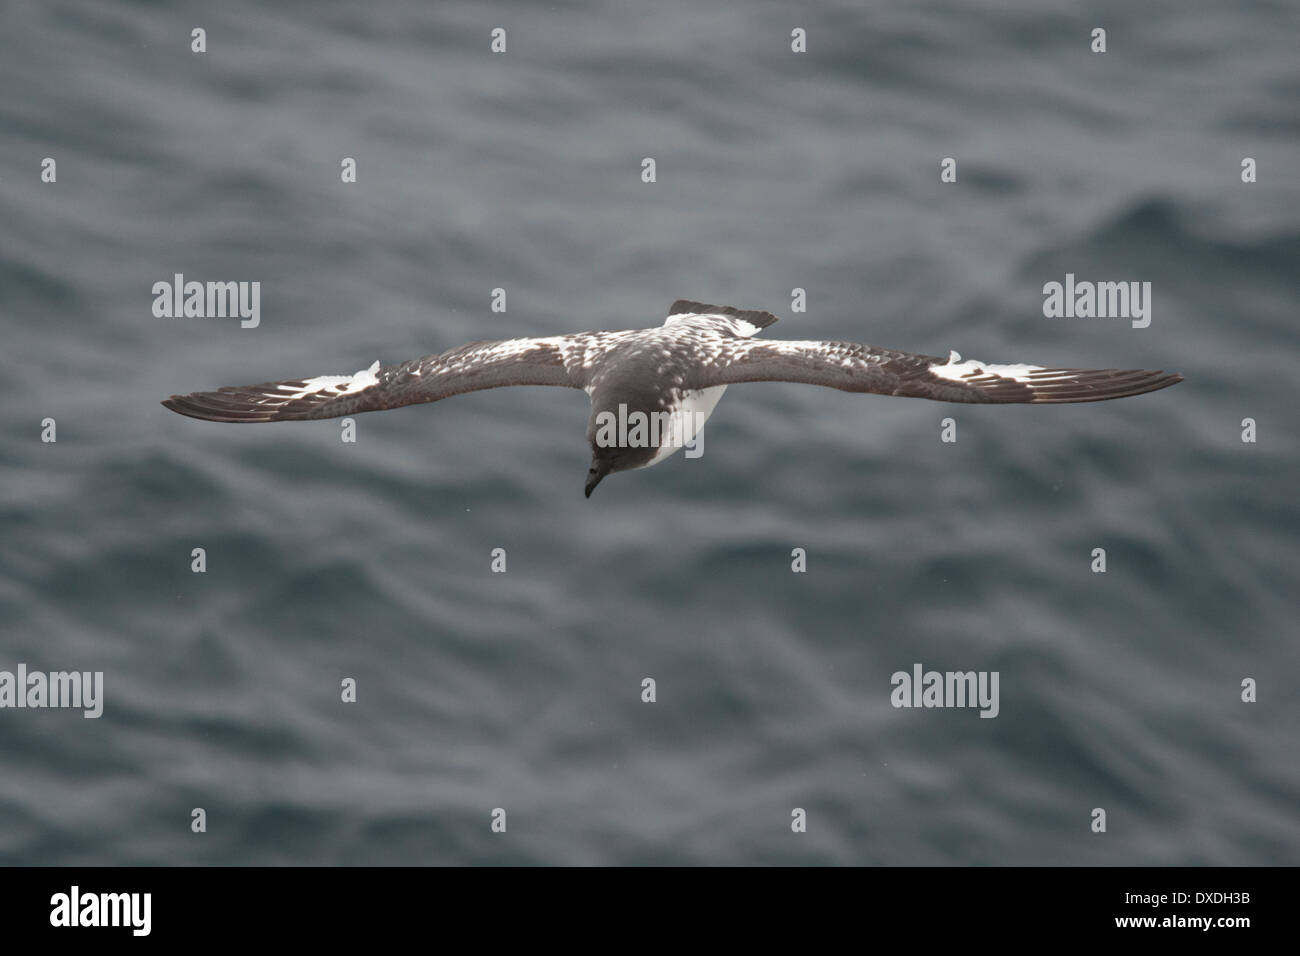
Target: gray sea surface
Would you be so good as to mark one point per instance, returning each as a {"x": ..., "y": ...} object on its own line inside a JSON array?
[{"x": 523, "y": 690}]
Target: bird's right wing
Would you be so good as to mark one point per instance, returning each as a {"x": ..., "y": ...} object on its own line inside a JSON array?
[
  {"x": 558, "y": 360},
  {"x": 864, "y": 368}
]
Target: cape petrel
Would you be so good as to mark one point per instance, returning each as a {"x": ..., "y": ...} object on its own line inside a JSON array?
[{"x": 674, "y": 373}]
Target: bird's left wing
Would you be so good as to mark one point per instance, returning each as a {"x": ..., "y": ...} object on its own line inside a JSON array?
[
  {"x": 564, "y": 360},
  {"x": 864, "y": 368}
]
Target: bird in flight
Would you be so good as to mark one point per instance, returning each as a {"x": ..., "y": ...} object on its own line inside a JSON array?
[{"x": 652, "y": 389}]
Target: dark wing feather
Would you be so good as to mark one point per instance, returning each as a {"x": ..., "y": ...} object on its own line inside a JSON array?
[
  {"x": 864, "y": 368},
  {"x": 563, "y": 360}
]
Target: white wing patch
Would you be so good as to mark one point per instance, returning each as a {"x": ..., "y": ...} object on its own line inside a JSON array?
[
  {"x": 343, "y": 384},
  {"x": 956, "y": 370}
]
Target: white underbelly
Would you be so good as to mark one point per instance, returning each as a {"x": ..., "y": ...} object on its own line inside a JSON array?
[{"x": 686, "y": 422}]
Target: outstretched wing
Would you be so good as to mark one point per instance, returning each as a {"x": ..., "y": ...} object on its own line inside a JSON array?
[
  {"x": 864, "y": 368},
  {"x": 559, "y": 360}
]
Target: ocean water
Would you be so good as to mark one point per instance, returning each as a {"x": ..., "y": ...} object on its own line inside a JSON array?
[{"x": 522, "y": 690}]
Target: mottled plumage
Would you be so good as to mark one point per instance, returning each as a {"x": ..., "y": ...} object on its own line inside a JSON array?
[{"x": 678, "y": 369}]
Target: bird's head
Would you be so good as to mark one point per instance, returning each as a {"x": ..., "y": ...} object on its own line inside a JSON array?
[
  {"x": 607, "y": 459},
  {"x": 600, "y": 467},
  {"x": 619, "y": 433}
]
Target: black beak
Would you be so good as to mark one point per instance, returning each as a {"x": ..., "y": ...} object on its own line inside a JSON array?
[{"x": 598, "y": 470}]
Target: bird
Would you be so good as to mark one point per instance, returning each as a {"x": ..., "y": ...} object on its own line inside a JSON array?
[{"x": 652, "y": 389}]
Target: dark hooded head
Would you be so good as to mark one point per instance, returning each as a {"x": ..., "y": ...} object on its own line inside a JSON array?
[{"x": 616, "y": 442}]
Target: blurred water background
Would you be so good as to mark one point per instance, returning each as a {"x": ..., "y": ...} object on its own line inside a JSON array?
[{"x": 522, "y": 690}]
